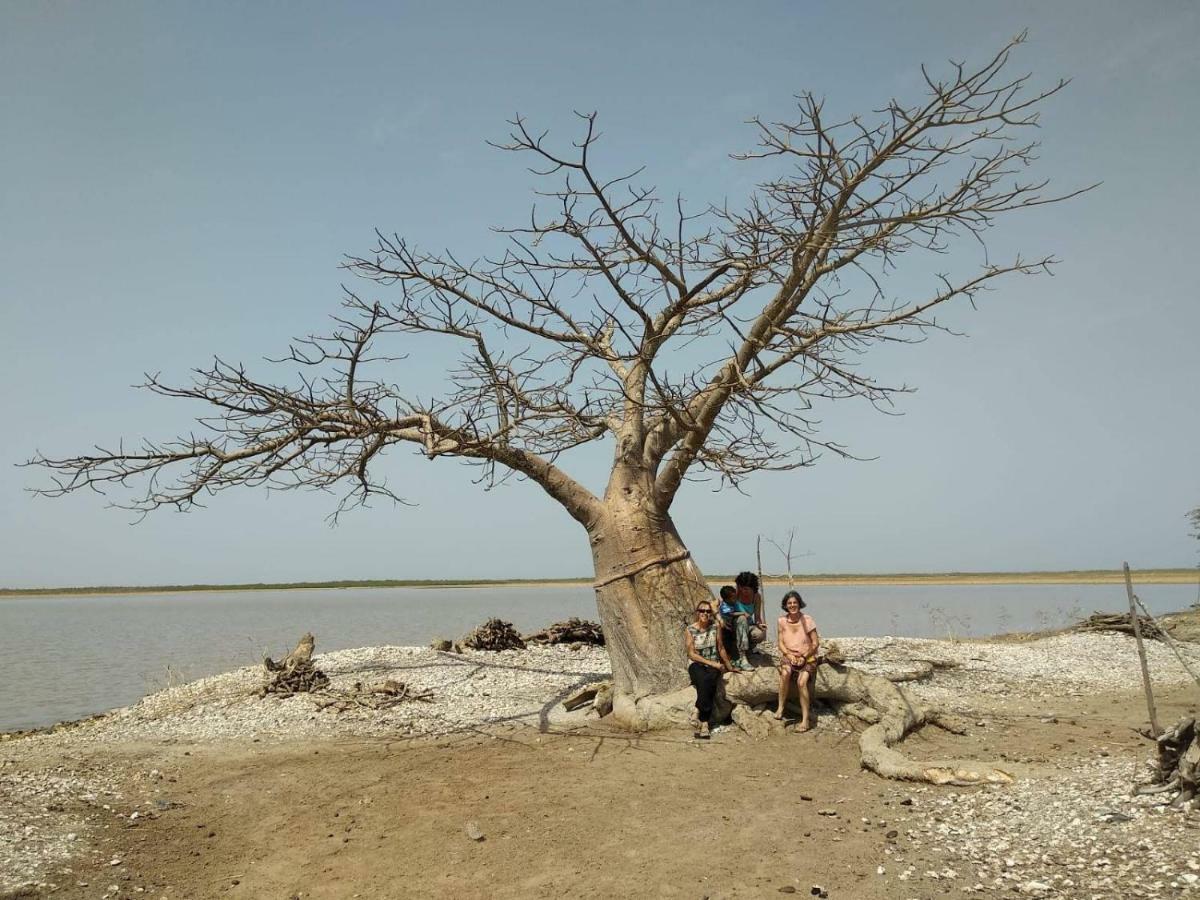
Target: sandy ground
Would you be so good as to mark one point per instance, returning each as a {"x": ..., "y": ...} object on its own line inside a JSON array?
[
  {"x": 584, "y": 814},
  {"x": 584, "y": 811}
]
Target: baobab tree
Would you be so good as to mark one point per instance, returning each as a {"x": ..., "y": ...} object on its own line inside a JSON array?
[{"x": 696, "y": 343}]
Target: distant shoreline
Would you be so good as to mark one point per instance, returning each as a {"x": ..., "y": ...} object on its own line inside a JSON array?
[{"x": 1087, "y": 576}]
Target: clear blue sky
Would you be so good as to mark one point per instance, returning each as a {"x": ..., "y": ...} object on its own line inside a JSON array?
[{"x": 180, "y": 180}]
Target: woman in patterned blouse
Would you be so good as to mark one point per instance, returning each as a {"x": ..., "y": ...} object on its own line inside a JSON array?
[{"x": 708, "y": 661}]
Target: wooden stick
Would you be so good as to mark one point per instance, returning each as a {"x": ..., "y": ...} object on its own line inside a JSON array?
[
  {"x": 762, "y": 587},
  {"x": 1137, "y": 633}
]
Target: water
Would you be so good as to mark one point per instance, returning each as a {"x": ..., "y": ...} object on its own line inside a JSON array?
[{"x": 68, "y": 657}]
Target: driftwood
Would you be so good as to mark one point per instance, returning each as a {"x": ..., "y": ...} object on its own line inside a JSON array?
[
  {"x": 598, "y": 695},
  {"x": 1119, "y": 622},
  {"x": 380, "y": 696},
  {"x": 1178, "y": 764},
  {"x": 580, "y": 698},
  {"x": 572, "y": 631},
  {"x": 602, "y": 703},
  {"x": 494, "y": 634},
  {"x": 295, "y": 673}
]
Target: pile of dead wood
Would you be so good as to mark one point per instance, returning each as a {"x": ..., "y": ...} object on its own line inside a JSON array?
[
  {"x": 1178, "y": 764},
  {"x": 295, "y": 673},
  {"x": 572, "y": 631},
  {"x": 1121, "y": 622},
  {"x": 380, "y": 696},
  {"x": 494, "y": 634}
]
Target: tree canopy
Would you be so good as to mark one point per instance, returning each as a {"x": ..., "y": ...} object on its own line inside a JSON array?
[{"x": 698, "y": 342}]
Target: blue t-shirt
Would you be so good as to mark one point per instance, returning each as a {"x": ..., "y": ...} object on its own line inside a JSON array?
[{"x": 726, "y": 609}]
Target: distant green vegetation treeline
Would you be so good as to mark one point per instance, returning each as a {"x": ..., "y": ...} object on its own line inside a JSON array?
[{"x": 1081, "y": 576}]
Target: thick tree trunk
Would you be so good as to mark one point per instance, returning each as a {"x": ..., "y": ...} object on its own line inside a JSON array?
[{"x": 647, "y": 587}]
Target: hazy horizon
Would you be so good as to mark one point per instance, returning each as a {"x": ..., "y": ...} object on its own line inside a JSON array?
[
  {"x": 183, "y": 182},
  {"x": 772, "y": 576}
]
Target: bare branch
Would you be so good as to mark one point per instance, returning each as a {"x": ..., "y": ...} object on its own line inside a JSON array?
[{"x": 701, "y": 342}]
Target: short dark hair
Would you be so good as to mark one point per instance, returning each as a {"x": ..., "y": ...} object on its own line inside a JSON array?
[
  {"x": 788, "y": 596},
  {"x": 728, "y": 591},
  {"x": 747, "y": 579}
]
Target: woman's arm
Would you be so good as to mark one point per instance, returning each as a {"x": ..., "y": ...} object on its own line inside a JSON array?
[
  {"x": 691, "y": 647},
  {"x": 726, "y": 665}
]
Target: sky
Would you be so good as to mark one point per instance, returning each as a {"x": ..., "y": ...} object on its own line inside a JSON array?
[{"x": 181, "y": 181}]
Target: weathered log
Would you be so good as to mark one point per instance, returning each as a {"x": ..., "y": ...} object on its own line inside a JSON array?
[
  {"x": 602, "y": 704},
  {"x": 295, "y": 673},
  {"x": 494, "y": 634},
  {"x": 300, "y": 655},
  {"x": 580, "y": 698},
  {"x": 572, "y": 631}
]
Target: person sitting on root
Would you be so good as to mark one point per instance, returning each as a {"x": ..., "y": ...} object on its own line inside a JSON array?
[
  {"x": 798, "y": 645},
  {"x": 728, "y": 612},
  {"x": 744, "y": 626},
  {"x": 707, "y": 662}
]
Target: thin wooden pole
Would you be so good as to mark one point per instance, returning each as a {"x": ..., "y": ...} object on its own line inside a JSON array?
[
  {"x": 1155, "y": 731},
  {"x": 1174, "y": 647},
  {"x": 762, "y": 587}
]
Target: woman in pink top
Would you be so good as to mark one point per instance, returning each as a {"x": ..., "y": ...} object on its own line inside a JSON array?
[{"x": 798, "y": 645}]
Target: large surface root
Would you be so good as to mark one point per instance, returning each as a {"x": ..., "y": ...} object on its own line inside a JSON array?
[
  {"x": 868, "y": 697},
  {"x": 1178, "y": 764}
]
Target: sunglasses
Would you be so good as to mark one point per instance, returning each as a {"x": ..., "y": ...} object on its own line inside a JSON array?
[{"x": 703, "y": 611}]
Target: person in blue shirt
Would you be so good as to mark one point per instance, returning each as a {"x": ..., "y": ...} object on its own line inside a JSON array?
[{"x": 740, "y": 618}]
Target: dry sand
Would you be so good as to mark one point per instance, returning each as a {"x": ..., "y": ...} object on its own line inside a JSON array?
[{"x": 207, "y": 791}]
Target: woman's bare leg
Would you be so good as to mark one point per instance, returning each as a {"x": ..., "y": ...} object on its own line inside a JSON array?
[
  {"x": 785, "y": 682},
  {"x": 802, "y": 686}
]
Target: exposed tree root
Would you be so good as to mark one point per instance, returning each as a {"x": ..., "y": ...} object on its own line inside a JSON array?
[
  {"x": 1178, "y": 764},
  {"x": 898, "y": 715},
  {"x": 891, "y": 714}
]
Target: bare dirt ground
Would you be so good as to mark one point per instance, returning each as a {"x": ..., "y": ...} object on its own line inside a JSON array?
[{"x": 591, "y": 813}]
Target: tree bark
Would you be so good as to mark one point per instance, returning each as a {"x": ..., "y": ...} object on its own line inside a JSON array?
[{"x": 647, "y": 587}]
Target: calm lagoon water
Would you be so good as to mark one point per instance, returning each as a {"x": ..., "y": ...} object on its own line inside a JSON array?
[{"x": 71, "y": 656}]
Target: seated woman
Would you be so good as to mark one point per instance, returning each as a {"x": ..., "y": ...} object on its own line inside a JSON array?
[
  {"x": 708, "y": 661},
  {"x": 798, "y": 645}
]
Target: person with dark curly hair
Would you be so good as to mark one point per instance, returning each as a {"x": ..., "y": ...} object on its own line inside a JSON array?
[{"x": 741, "y": 619}]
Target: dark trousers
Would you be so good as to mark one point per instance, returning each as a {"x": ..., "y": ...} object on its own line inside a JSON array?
[{"x": 705, "y": 680}]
